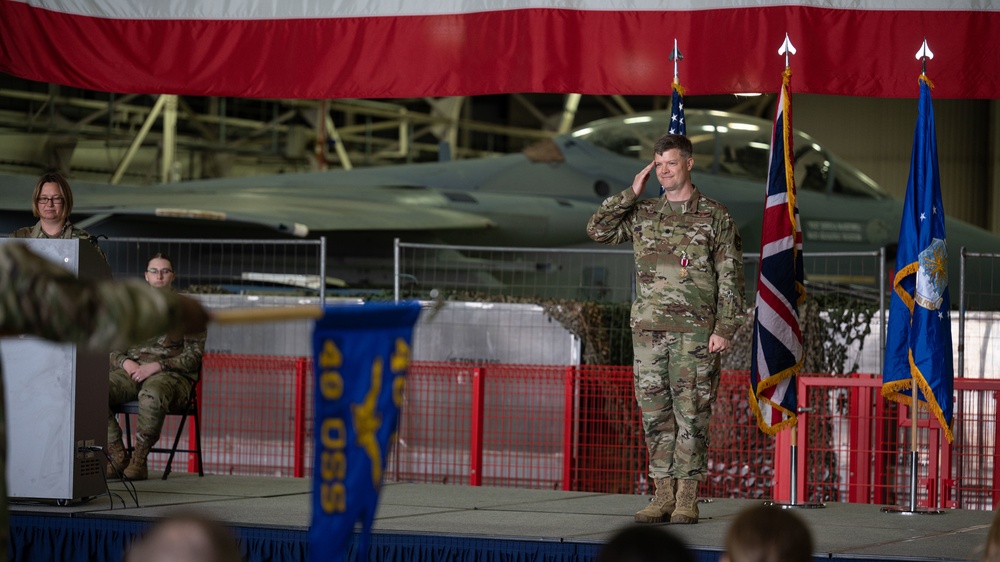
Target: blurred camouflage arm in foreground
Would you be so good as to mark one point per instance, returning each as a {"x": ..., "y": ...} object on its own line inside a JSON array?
[{"x": 42, "y": 299}]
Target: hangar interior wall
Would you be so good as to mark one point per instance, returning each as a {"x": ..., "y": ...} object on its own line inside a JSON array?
[
  {"x": 873, "y": 134},
  {"x": 876, "y": 136}
]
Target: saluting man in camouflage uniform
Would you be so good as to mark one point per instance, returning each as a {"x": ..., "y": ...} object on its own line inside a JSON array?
[
  {"x": 689, "y": 303},
  {"x": 43, "y": 299},
  {"x": 159, "y": 373}
]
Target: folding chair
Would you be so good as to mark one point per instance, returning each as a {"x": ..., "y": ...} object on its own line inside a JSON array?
[{"x": 191, "y": 409}]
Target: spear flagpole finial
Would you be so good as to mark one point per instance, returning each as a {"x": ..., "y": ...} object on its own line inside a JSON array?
[
  {"x": 676, "y": 56},
  {"x": 922, "y": 55},
  {"x": 786, "y": 48}
]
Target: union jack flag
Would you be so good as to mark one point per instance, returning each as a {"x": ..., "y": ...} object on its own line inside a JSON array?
[{"x": 777, "y": 337}]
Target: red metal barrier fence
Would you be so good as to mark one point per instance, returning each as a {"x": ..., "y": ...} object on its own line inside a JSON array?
[
  {"x": 516, "y": 426},
  {"x": 859, "y": 445}
]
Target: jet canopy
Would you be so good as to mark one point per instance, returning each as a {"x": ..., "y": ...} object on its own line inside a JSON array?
[{"x": 733, "y": 145}]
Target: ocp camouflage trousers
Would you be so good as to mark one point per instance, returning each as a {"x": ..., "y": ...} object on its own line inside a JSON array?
[
  {"x": 676, "y": 382},
  {"x": 157, "y": 395}
]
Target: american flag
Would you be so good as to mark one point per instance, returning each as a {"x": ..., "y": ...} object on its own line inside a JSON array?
[
  {"x": 677, "y": 126},
  {"x": 777, "y": 336}
]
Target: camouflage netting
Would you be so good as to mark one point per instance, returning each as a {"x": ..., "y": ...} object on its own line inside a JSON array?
[
  {"x": 207, "y": 290},
  {"x": 831, "y": 326}
]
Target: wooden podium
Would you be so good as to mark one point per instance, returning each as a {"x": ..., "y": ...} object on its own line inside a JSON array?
[{"x": 56, "y": 399}]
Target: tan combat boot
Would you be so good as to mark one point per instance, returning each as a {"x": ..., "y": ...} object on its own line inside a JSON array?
[
  {"x": 662, "y": 504},
  {"x": 117, "y": 460},
  {"x": 136, "y": 469},
  {"x": 686, "y": 512}
]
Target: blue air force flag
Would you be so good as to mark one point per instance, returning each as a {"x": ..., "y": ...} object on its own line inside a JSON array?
[
  {"x": 776, "y": 356},
  {"x": 918, "y": 349},
  {"x": 361, "y": 354}
]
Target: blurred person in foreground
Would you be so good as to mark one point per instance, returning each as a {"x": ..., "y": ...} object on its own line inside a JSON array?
[
  {"x": 185, "y": 537},
  {"x": 42, "y": 299},
  {"x": 689, "y": 303},
  {"x": 52, "y": 203},
  {"x": 991, "y": 550},
  {"x": 160, "y": 373},
  {"x": 644, "y": 544},
  {"x": 767, "y": 533}
]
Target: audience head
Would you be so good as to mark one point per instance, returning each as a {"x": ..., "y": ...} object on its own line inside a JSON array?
[
  {"x": 991, "y": 551},
  {"x": 768, "y": 534},
  {"x": 185, "y": 537},
  {"x": 52, "y": 199},
  {"x": 160, "y": 271},
  {"x": 637, "y": 543}
]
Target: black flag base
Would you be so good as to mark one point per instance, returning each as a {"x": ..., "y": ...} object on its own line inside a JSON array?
[
  {"x": 797, "y": 505},
  {"x": 794, "y": 461},
  {"x": 913, "y": 509}
]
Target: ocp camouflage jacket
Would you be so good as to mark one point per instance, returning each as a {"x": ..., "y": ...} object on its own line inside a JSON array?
[
  {"x": 181, "y": 356},
  {"x": 705, "y": 295}
]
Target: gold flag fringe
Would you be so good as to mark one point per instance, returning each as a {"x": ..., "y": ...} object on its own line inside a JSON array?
[{"x": 894, "y": 391}]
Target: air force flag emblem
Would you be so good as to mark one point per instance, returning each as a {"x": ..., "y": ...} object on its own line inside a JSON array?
[{"x": 932, "y": 275}]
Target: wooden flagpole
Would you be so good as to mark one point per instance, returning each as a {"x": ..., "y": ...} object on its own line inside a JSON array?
[{"x": 265, "y": 314}]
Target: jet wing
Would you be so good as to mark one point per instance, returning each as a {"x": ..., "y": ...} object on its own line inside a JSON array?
[
  {"x": 289, "y": 210},
  {"x": 331, "y": 214}
]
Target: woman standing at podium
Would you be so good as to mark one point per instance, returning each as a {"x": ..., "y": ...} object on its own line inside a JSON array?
[{"x": 52, "y": 203}]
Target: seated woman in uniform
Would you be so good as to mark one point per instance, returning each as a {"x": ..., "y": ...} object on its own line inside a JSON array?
[{"x": 159, "y": 373}]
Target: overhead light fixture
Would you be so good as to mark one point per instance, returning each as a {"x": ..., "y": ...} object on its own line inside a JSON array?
[{"x": 714, "y": 129}]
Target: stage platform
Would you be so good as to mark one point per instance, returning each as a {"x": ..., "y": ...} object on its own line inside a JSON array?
[{"x": 431, "y": 522}]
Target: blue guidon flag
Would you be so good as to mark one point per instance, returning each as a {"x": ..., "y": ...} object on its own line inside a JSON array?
[
  {"x": 361, "y": 354},
  {"x": 918, "y": 347},
  {"x": 777, "y": 336}
]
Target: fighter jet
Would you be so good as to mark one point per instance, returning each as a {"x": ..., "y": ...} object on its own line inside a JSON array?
[{"x": 541, "y": 197}]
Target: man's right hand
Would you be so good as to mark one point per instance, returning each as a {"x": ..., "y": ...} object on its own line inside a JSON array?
[{"x": 639, "y": 183}]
